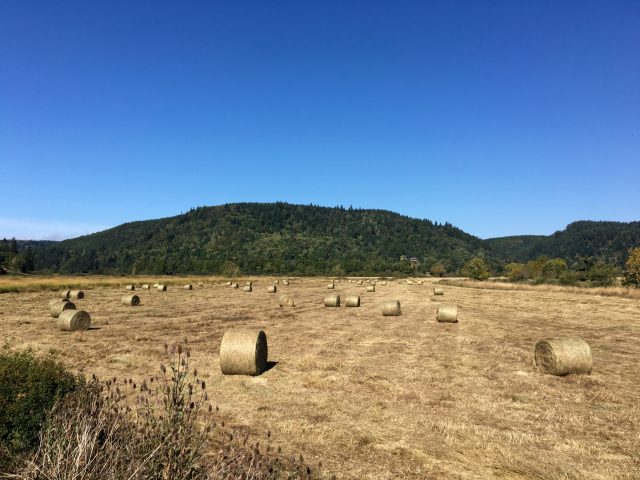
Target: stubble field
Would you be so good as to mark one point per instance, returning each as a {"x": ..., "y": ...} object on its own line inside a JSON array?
[{"x": 375, "y": 397}]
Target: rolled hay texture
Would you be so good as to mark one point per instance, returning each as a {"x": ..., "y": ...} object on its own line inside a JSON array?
[
  {"x": 447, "y": 313},
  {"x": 243, "y": 352},
  {"x": 352, "y": 301},
  {"x": 286, "y": 282},
  {"x": 409, "y": 282},
  {"x": 371, "y": 288},
  {"x": 130, "y": 300},
  {"x": 188, "y": 286},
  {"x": 286, "y": 302},
  {"x": 438, "y": 291},
  {"x": 130, "y": 287},
  {"x": 391, "y": 309},
  {"x": 420, "y": 282},
  {"x": 79, "y": 294},
  {"x": 71, "y": 320},
  {"x": 56, "y": 307},
  {"x": 161, "y": 288},
  {"x": 331, "y": 286},
  {"x": 562, "y": 356},
  {"x": 248, "y": 283},
  {"x": 155, "y": 285},
  {"x": 229, "y": 283},
  {"x": 383, "y": 283},
  {"x": 234, "y": 285},
  {"x": 332, "y": 301},
  {"x": 246, "y": 288},
  {"x": 64, "y": 293},
  {"x": 272, "y": 289},
  {"x": 276, "y": 282},
  {"x": 145, "y": 286}
]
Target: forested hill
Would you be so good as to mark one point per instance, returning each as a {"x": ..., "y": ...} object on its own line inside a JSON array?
[
  {"x": 256, "y": 238},
  {"x": 608, "y": 242}
]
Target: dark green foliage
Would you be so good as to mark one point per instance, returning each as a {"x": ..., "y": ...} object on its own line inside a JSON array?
[
  {"x": 29, "y": 387},
  {"x": 475, "y": 268}
]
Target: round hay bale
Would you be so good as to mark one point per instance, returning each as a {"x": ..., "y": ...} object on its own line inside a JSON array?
[
  {"x": 352, "y": 301},
  {"x": 161, "y": 288},
  {"x": 332, "y": 301},
  {"x": 272, "y": 289},
  {"x": 77, "y": 294},
  {"x": 438, "y": 291},
  {"x": 145, "y": 286},
  {"x": 130, "y": 287},
  {"x": 188, "y": 286},
  {"x": 248, "y": 283},
  {"x": 56, "y": 300},
  {"x": 409, "y": 282},
  {"x": 71, "y": 320},
  {"x": 276, "y": 282},
  {"x": 331, "y": 286},
  {"x": 243, "y": 352},
  {"x": 229, "y": 283},
  {"x": 391, "y": 309},
  {"x": 155, "y": 285},
  {"x": 234, "y": 285},
  {"x": 371, "y": 288},
  {"x": 130, "y": 300},
  {"x": 420, "y": 282},
  {"x": 64, "y": 293},
  {"x": 286, "y": 302},
  {"x": 383, "y": 283},
  {"x": 286, "y": 282},
  {"x": 359, "y": 282},
  {"x": 57, "y": 306},
  {"x": 562, "y": 356},
  {"x": 447, "y": 313},
  {"x": 246, "y": 288}
]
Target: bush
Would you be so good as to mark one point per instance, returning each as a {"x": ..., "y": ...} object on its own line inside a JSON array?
[
  {"x": 29, "y": 388},
  {"x": 475, "y": 268},
  {"x": 602, "y": 275},
  {"x": 632, "y": 269},
  {"x": 569, "y": 278}
]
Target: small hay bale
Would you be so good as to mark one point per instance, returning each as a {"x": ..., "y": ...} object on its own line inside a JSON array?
[
  {"x": 77, "y": 294},
  {"x": 352, "y": 301},
  {"x": 420, "y": 282},
  {"x": 286, "y": 282},
  {"x": 248, "y": 283},
  {"x": 272, "y": 289},
  {"x": 359, "y": 282},
  {"x": 229, "y": 283},
  {"x": 438, "y": 291},
  {"x": 371, "y": 288},
  {"x": 331, "y": 286},
  {"x": 64, "y": 293},
  {"x": 447, "y": 313},
  {"x": 391, "y": 309},
  {"x": 276, "y": 282},
  {"x": 286, "y": 302},
  {"x": 130, "y": 300},
  {"x": 409, "y": 282},
  {"x": 235, "y": 285},
  {"x": 243, "y": 352},
  {"x": 71, "y": 320},
  {"x": 130, "y": 287},
  {"x": 562, "y": 356},
  {"x": 161, "y": 288},
  {"x": 188, "y": 286},
  {"x": 247, "y": 288},
  {"x": 145, "y": 286},
  {"x": 57, "y": 306},
  {"x": 56, "y": 300},
  {"x": 332, "y": 301}
]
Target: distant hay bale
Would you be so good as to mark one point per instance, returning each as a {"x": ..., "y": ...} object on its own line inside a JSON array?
[
  {"x": 71, "y": 320},
  {"x": 188, "y": 286},
  {"x": 562, "y": 356},
  {"x": 248, "y": 283},
  {"x": 276, "y": 282},
  {"x": 77, "y": 294},
  {"x": 420, "y": 282},
  {"x": 285, "y": 282},
  {"x": 371, "y": 288},
  {"x": 130, "y": 287},
  {"x": 331, "y": 286},
  {"x": 359, "y": 282},
  {"x": 243, "y": 352},
  {"x": 383, "y": 283},
  {"x": 130, "y": 300},
  {"x": 438, "y": 291},
  {"x": 57, "y": 306},
  {"x": 234, "y": 285},
  {"x": 229, "y": 283},
  {"x": 272, "y": 289},
  {"x": 161, "y": 288},
  {"x": 247, "y": 288},
  {"x": 409, "y": 282},
  {"x": 155, "y": 285},
  {"x": 447, "y": 313},
  {"x": 285, "y": 301},
  {"x": 145, "y": 286},
  {"x": 64, "y": 293},
  {"x": 391, "y": 309},
  {"x": 332, "y": 301},
  {"x": 352, "y": 301}
]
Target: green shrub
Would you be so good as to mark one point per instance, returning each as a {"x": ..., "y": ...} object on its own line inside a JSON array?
[
  {"x": 29, "y": 387},
  {"x": 475, "y": 268},
  {"x": 568, "y": 277},
  {"x": 602, "y": 275},
  {"x": 632, "y": 269}
]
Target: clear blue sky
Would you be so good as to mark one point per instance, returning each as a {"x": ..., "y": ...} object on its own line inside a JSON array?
[{"x": 500, "y": 117}]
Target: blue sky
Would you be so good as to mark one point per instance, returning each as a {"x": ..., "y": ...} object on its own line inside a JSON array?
[{"x": 502, "y": 118}]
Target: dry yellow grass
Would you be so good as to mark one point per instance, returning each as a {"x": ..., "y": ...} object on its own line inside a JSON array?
[{"x": 377, "y": 397}]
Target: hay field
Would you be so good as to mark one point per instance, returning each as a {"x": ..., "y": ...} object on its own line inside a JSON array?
[{"x": 377, "y": 397}]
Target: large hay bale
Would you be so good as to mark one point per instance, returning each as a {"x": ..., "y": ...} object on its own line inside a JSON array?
[
  {"x": 145, "y": 286},
  {"x": 562, "y": 356},
  {"x": 64, "y": 293},
  {"x": 438, "y": 291},
  {"x": 247, "y": 288},
  {"x": 371, "y": 288},
  {"x": 130, "y": 300},
  {"x": 57, "y": 306},
  {"x": 272, "y": 289},
  {"x": 285, "y": 301},
  {"x": 76, "y": 294},
  {"x": 235, "y": 285},
  {"x": 243, "y": 352},
  {"x": 352, "y": 301},
  {"x": 71, "y": 320},
  {"x": 391, "y": 309},
  {"x": 332, "y": 301},
  {"x": 130, "y": 287},
  {"x": 161, "y": 288},
  {"x": 188, "y": 286},
  {"x": 447, "y": 313}
]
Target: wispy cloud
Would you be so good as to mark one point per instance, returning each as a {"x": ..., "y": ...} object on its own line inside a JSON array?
[{"x": 34, "y": 229}]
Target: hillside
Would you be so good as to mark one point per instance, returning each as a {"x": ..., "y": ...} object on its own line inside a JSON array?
[{"x": 265, "y": 238}]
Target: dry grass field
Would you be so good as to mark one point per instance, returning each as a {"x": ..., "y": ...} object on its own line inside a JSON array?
[{"x": 377, "y": 397}]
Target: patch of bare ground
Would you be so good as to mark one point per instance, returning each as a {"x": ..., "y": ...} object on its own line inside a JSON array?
[{"x": 377, "y": 397}]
